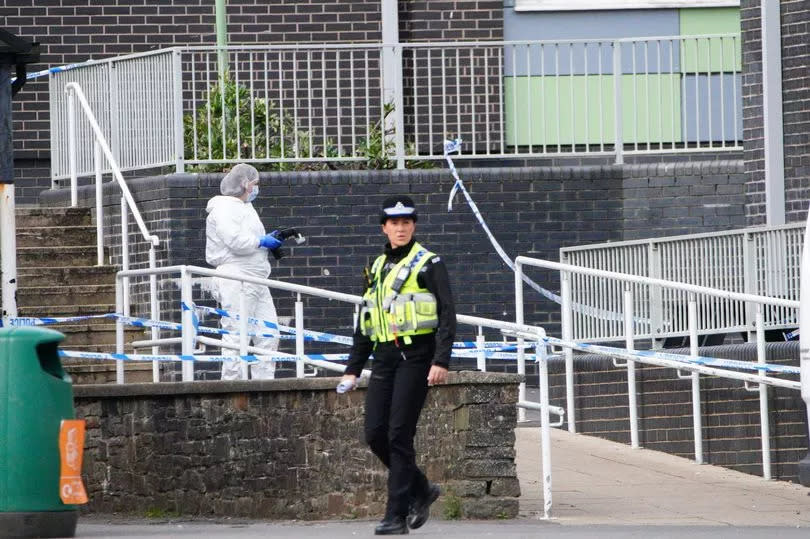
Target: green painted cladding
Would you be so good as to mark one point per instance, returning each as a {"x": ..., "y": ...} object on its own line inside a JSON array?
[
  {"x": 579, "y": 109},
  {"x": 712, "y": 57}
]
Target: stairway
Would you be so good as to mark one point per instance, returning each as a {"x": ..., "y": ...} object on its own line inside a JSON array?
[{"x": 57, "y": 276}]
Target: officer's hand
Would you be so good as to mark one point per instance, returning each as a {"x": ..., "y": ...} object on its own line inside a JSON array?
[{"x": 437, "y": 375}]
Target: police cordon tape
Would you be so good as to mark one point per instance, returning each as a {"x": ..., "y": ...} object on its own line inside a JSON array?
[
  {"x": 469, "y": 352},
  {"x": 454, "y": 146},
  {"x": 698, "y": 360},
  {"x": 592, "y": 348}
]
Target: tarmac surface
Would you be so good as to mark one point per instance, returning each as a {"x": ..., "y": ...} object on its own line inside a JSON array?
[{"x": 600, "y": 489}]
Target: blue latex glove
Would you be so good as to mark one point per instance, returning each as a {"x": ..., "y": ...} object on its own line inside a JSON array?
[{"x": 270, "y": 241}]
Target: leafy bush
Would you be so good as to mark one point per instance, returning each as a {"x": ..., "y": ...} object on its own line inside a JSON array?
[{"x": 246, "y": 127}]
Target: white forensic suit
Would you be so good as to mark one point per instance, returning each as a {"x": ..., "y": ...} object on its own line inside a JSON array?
[{"x": 232, "y": 232}]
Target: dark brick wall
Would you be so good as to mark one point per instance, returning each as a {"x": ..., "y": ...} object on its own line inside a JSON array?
[
  {"x": 795, "y": 15},
  {"x": 289, "y": 449},
  {"x": 531, "y": 211},
  {"x": 730, "y": 421},
  {"x": 685, "y": 198},
  {"x": 73, "y": 32}
]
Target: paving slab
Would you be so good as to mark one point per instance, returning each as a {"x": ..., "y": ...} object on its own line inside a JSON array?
[{"x": 598, "y": 482}]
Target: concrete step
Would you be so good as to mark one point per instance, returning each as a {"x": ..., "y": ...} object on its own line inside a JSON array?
[
  {"x": 95, "y": 334},
  {"x": 52, "y": 257},
  {"x": 32, "y": 217},
  {"x": 84, "y": 371},
  {"x": 66, "y": 295},
  {"x": 66, "y": 310},
  {"x": 44, "y": 276},
  {"x": 46, "y": 236}
]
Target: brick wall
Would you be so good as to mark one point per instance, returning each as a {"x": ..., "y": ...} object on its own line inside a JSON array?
[
  {"x": 531, "y": 211},
  {"x": 730, "y": 420},
  {"x": 73, "y": 32},
  {"x": 287, "y": 449},
  {"x": 795, "y": 15}
]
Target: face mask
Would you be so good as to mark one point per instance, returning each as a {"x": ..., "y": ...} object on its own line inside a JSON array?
[{"x": 253, "y": 194}]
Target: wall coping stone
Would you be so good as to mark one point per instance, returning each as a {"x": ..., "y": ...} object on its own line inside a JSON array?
[{"x": 257, "y": 386}]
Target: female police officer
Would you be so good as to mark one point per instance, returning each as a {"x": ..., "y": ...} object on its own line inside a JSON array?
[{"x": 409, "y": 321}]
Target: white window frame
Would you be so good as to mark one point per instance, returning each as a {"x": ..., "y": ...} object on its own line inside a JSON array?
[{"x": 589, "y": 5}]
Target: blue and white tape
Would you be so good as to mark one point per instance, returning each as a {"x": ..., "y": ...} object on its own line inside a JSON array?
[
  {"x": 276, "y": 357},
  {"x": 56, "y": 69},
  {"x": 310, "y": 335},
  {"x": 27, "y": 321},
  {"x": 699, "y": 360},
  {"x": 454, "y": 146}
]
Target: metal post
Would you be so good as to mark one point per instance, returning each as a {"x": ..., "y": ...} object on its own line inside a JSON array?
[
  {"x": 618, "y": 135},
  {"x": 804, "y": 346},
  {"x": 187, "y": 323},
  {"x": 773, "y": 132},
  {"x": 568, "y": 336},
  {"x": 693, "y": 351},
  {"x": 119, "y": 329},
  {"x": 629, "y": 343},
  {"x": 155, "y": 313},
  {"x": 125, "y": 250},
  {"x": 480, "y": 343},
  {"x": 71, "y": 107},
  {"x": 545, "y": 428},
  {"x": 243, "y": 333},
  {"x": 521, "y": 360},
  {"x": 8, "y": 251},
  {"x": 177, "y": 87},
  {"x": 392, "y": 77},
  {"x": 8, "y": 224},
  {"x": 99, "y": 205},
  {"x": 764, "y": 422},
  {"x": 222, "y": 38},
  {"x": 656, "y": 295},
  {"x": 299, "y": 337}
]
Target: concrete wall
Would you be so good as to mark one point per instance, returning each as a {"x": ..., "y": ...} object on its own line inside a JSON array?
[{"x": 289, "y": 449}]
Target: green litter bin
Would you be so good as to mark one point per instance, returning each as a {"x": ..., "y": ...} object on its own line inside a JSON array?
[{"x": 35, "y": 396}]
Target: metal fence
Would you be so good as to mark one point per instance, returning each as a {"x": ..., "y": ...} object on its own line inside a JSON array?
[
  {"x": 760, "y": 261},
  {"x": 133, "y": 100},
  {"x": 391, "y": 104}
]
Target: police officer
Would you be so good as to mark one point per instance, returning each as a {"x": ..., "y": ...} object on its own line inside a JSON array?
[{"x": 408, "y": 320}]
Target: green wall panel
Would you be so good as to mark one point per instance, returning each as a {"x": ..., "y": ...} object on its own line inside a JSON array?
[
  {"x": 713, "y": 55},
  {"x": 566, "y": 110}
]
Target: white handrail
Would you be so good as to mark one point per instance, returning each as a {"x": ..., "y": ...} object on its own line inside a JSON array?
[
  {"x": 75, "y": 91},
  {"x": 569, "y": 345},
  {"x": 626, "y": 277}
]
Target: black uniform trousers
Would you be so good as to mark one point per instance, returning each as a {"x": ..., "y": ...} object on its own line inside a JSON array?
[{"x": 394, "y": 400}]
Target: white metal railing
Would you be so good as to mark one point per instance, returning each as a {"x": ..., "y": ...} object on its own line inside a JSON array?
[
  {"x": 329, "y": 102},
  {"x": 102, "y": 154},
  {"x": 132, "y": 97},
  {"x": 189, "y": 339},
  {"x": 762, "y": 261},
  {"x": 631, "y": 286}
]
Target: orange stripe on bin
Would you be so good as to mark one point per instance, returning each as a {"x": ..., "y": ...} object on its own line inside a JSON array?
[{"x": 71, "y": 448}]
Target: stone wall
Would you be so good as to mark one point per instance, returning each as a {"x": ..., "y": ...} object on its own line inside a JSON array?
[
  {"x": 289, "y": 449},
  {"x": 795, "y": 15}
]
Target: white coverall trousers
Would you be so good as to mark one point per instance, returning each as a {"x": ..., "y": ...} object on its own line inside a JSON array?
[{"x": 259, "y": 305}]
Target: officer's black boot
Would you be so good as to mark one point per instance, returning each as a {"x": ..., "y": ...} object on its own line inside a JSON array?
[
  {"x": 392, "y": 526},
  {"x": 420, "y": 508}
]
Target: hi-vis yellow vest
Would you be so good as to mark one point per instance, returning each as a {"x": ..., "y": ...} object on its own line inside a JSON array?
[{"x": 397, "y": 307}]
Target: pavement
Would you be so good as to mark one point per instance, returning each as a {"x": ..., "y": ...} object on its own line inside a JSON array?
[{"x": 600, "y": 489}]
